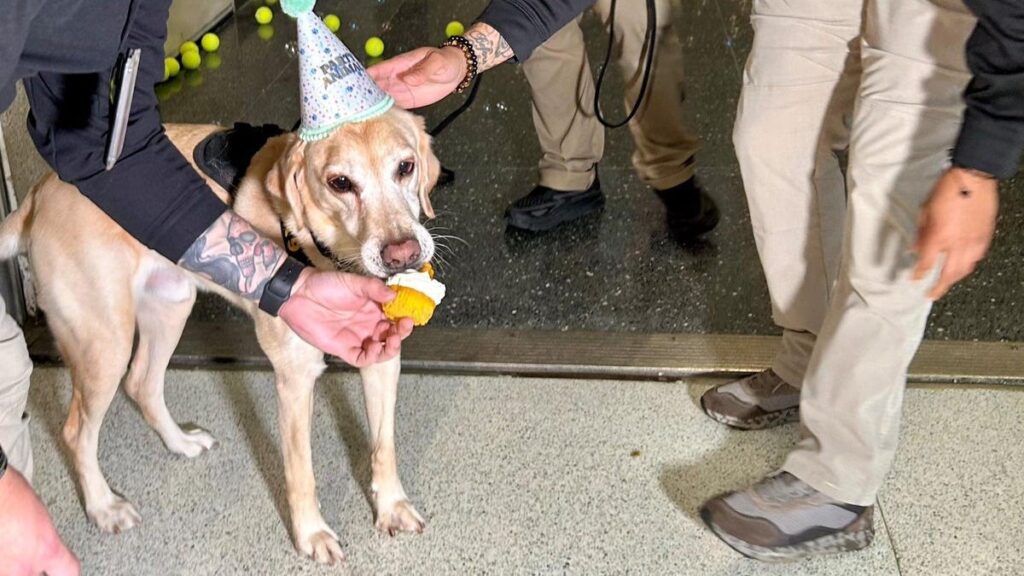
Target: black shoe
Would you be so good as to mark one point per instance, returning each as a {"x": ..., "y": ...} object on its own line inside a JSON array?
[
  {"x": 545, "y": 208},
  {"x": 689, "y": 211}
]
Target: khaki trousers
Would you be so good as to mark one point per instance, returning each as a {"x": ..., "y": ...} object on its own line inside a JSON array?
[
  {"x": 15, "y": 369},
  {"x": 883, "y": 79},
  {"x": 562, "y": 87}
]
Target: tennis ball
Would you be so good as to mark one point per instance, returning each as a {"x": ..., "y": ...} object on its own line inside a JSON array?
[
  {"x": 374, "y": 47},
  {"x": 265, "y": 32},
  {"x": 189, "y": 46},
  {"x": 264, "y": 15},
  {"x": 210, "y": 42},
  {"x": 454, "y": 28},
  {"x": 191, "y": 60},
  {"x": 333, "y": 22},
  {"x": 171, "y": 68}
]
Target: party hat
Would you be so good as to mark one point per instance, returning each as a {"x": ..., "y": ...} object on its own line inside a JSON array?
[{"x": 335, "y": 87}]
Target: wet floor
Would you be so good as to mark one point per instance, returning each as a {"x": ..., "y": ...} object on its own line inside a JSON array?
[{"x": 618, "y": 270}]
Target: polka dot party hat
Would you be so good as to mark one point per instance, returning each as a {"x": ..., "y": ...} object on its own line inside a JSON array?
[{"x": 335, "y": 88}]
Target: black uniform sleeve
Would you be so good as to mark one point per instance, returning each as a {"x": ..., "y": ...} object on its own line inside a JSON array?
[
  {"x": 526, "y": 24},
  {"x": 152, "y": 192},
  {"x": 992, "y": 136}
]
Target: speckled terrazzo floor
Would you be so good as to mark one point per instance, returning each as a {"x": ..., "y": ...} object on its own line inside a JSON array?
[
  {"x": 522, "y": 476},
  {"x": 615, "y": 271}
]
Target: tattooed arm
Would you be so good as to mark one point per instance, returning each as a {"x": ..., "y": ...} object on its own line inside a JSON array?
[
  {"x": 491, "y": 49},
  {"x": 234, "y": 256},
  {"x": 426, "y": 75},
  {"x": 336, "y": 312},
  {"x": 506, "y": 29}
]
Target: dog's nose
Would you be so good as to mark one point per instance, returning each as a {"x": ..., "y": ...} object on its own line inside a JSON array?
[{"x": 401, "y": 255}]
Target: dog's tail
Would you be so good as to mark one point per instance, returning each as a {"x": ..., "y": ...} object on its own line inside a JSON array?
[{"x": 14, "y": 230}]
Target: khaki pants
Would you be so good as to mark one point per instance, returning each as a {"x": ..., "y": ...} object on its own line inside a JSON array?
[
  {"x": 882, "y": 78},
  {"x": 562, "y": 87},
  {"x": 15, "y": 369}
]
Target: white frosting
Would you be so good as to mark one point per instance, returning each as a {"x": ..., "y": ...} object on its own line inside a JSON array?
[{"x": 420, "y": 282}]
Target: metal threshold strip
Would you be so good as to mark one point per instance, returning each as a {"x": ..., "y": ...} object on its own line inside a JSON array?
[{"x": 622, "y": 355}]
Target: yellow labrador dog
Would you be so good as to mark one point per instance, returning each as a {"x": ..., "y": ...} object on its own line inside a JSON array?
[{"x": 98, "y": 285}]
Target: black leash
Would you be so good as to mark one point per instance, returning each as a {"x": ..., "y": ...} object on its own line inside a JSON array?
[
  {"x": 650, "y": 41},
  {"x": 458, "y": 111}
]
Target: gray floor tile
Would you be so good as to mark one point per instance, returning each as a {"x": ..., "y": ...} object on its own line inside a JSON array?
[
  {"x": 514, "y": 477},
  {"x": 953, "y": 501}
]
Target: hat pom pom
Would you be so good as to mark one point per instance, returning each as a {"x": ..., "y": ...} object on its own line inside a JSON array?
[{"x": 296, "y": 8}]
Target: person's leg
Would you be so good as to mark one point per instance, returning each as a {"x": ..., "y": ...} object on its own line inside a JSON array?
[
  {"x": 665, "y": 143},
  {"x": 908, "y": 114},
  {"x": 793, "y": 119},
  {"x": 571, "y": 139},
  {"x": 15, "y": 370},
  {"x": 562, "y": 90}
]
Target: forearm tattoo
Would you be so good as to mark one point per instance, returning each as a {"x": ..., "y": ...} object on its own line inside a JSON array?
[
  {"x": 491, "y": 49},
  {"x": 234, "y": 255}
]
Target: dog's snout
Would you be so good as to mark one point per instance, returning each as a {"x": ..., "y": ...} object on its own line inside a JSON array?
[{"x": 401, "y": 255}]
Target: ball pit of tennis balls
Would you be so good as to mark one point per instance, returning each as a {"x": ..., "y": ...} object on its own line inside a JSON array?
[
  {"x": 333, "y": 22},
  {"x": 264, "y": 15},
  {"x": 454, "y": 28},
  {"x": 374, "y": 47}
]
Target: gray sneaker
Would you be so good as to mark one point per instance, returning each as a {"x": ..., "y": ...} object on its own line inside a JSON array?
[
  {"x": 781, "y": 519},
  {"x": 758, "y": 401}
]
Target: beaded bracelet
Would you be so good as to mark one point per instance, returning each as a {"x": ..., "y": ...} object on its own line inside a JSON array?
[{"x": 461, "y": 43}]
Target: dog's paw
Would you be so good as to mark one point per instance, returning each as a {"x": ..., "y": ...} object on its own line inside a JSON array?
[
  {"x": 323, "y": 546},
  {"x": 192, "y": 443},
  {"x": 400, "y": 517},
  {"x": 116, "y": 517}
]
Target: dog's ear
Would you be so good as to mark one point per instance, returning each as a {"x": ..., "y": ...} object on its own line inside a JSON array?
[
  {"x": 286, "y": 180},
  {"x": 430, "y": 167}
]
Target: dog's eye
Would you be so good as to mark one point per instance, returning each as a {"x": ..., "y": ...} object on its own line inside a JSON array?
[
  {"x": 405, "y": 167},
  {"x": 341, "y": 184}
]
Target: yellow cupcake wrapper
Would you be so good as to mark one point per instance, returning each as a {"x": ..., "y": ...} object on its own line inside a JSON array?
[{"x": 409, "y": 303}]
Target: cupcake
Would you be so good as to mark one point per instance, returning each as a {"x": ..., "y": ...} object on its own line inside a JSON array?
[{"x": 417, "y": 294}]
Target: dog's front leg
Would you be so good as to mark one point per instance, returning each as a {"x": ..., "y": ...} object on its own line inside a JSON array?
[
  {"x": 394, "y": 511},
  {"x": 296, "y": 367}
]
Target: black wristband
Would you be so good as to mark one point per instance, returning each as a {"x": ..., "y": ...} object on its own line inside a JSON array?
[
  {"x": 3, "y": 462},
  {"x": 279, "y": 288}
]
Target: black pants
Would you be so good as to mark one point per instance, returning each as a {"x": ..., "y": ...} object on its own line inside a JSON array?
[{"x": 152, "y": 192}]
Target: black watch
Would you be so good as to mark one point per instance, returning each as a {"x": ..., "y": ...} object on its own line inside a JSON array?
[{"x": 279, "y": 288}]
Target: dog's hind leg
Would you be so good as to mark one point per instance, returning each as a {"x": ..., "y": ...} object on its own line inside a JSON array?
[
  {"x": 95, "y": 339},
  {"x": 164, "y": 299},
  {"x": 380, "y": 389},
  {"x": 297, "y": 365}
]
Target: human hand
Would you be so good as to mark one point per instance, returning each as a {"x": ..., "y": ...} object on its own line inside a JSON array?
[
  {"x": 29, "y": 544},
  {"x": 958, "y": 221},
  {"x": 422, "y": 76},
  {"x": 341, "y": 314}
]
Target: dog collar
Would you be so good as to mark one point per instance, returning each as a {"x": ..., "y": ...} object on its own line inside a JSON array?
[{"x": 294, "y": 249}]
